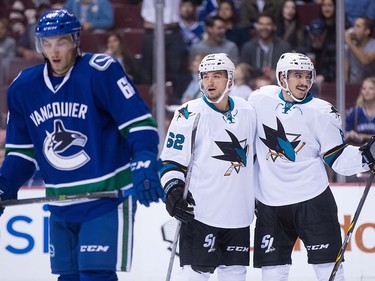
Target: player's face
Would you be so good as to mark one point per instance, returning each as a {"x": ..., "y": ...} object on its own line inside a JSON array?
[
  {"x": 299, "y": 82},
  {"x": 214, "y": 83},
  {"x": 61, "y": 53}
]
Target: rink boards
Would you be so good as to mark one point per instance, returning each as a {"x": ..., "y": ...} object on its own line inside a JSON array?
[{"x": 24, "y": 241}]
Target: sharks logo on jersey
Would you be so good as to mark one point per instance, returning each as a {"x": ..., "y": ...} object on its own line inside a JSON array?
[
  {"x": 279, "y": 144},
  {"x": 335, "y": 111},
  {"x": 60, "y": 141},
  {"x": 183, "y": 112},
  {"x": 233, "y": 152}
]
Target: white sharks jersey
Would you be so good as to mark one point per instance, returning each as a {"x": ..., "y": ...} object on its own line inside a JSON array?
[
  {"x": 293, "y": 142},
  {"x": 222, "y": 172}
]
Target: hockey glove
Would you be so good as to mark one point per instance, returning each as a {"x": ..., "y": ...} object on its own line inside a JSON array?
[
  {"x": 368, "y": 151},
  {"x": 146, "y": 181},
  {"x": 176, "y": 206},
  {"x": 5, "y": 195}
]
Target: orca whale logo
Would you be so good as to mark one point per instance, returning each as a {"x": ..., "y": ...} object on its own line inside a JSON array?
[{"x": 59, "y": 141}]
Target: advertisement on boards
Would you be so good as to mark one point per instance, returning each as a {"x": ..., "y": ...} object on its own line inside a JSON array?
[{"x": 24, "y": 242}]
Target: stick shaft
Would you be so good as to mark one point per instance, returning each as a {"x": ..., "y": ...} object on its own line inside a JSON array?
[
  {"x": 186, "y": 190},
  {"x": 73, "y": 197},
  {"x": 349, "y": 233}
]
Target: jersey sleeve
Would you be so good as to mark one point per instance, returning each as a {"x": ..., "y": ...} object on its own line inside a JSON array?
[
  {"x": 349, "y": 121},
  {"x": 19, "y": 163},
  {"x": 119, "y": 98},
  {"x": 177, "y": 152},
  {"x": 341, "y": 157}
]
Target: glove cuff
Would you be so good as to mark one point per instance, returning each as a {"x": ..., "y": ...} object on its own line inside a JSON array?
[{"x": 173, "y": 183}]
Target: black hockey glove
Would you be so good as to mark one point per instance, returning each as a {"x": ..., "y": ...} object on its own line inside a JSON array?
[
  {"x": 176, "y": 206},
  {"x": 368, "y": 151}
]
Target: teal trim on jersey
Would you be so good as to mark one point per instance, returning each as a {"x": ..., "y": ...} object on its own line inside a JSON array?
[
  {"x": 119, "y": 180},
  {"x": 212, "y": 105},
  {"x": 149, "y": 122},
  {"x": 28, "y": 152},
  {"x": 332, "y": 155},
  {"x": 169, "y": 166}
]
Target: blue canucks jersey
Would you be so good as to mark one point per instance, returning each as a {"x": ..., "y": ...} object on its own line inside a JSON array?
[{"x": 82, "y": 132}]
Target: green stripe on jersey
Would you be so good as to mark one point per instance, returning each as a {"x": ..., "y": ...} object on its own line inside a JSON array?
[{"x": 117, "y": 181}]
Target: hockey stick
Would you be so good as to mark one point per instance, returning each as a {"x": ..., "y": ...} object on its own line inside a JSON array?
[
  {"x": 186, "y": 190},
  {"x": 73, "y": 197},
  {"x": 340, "y": 255}
]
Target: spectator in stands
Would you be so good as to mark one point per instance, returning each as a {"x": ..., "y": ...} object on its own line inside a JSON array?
[
  {"x": 191, "y": 29},
  {"x": 361, "y": 50},
  {"x": 242, "y": 77},
  {"x": 238, "y": 33},
  {"x": 263, "y": 51},
  {"x": 262, "y": 81},
  {"x": 207, "y": 8},
  {"x": 7, "y": 48},
  {"x": 251, "y": 9},
  {"x": 26, "y": 43},
  {"x": 94, "y": 15},
  {"x": 177, "y": 70},
  {"x": 193, "y": 90},
  {"x": 358, "y": 8},
  {"x": 321, "y": 48},
  {"x": 21, "y": 13},
  {"x": 116, "y": 47},
  {"x": 215, "y": 41},
  {"x": 360, "y": 119},
  {"x": 289, "y": 26}
]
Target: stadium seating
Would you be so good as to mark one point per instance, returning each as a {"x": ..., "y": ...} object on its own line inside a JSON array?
[
  {"x": 93, "y": 42},
  {"x": 127, "y": 16},
  {"x": 3, "y": 106},
  {"x": 133, "y": 38},
  {"x": 307, "y": 12},
  {"x": 16, "y": 65},
  {"x": 328, "y": 93}
]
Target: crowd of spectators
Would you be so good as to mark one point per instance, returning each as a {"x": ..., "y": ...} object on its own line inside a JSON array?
[{"x": 252, "y": 32}]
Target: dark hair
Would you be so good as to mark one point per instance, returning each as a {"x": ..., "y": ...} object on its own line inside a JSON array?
[
  {"x": 210, "y": 21},
  {"x": 368, "y": 23},
  {"x": 267, "y": 15}
]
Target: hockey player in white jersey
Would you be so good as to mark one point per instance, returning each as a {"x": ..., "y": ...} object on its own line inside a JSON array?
[
  {"x": 297, "y": 135},
  {"x": 80, "y": 118},
  {"x": 220, "y": 204}
]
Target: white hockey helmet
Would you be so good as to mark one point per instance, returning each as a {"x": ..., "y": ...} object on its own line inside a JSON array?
[
  {"x": 294, "y": 61},
  {"x": 217, "y": 62}
]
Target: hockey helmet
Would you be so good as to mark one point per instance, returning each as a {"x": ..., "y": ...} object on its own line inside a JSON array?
[
  {"x": 214, "y": 62},
  {"x": 294, "y": 61},
  {"x": 57, "y": 22},
  {"x": 217, "y": 62}
]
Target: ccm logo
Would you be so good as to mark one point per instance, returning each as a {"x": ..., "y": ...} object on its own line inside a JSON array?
[
  {"x": 317, "y": 247},
  {"x": 94, "y": 248},
  {"x": 238, "y": 249}
]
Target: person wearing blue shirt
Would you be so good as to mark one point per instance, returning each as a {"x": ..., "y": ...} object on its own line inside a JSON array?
[{"x": 93, "y": 14}]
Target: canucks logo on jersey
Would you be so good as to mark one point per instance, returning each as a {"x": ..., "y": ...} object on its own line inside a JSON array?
[
  {"x": 58, "y": 142},
  {"x": 233, "y": 152},
  {"x": 278, "y": 143}
]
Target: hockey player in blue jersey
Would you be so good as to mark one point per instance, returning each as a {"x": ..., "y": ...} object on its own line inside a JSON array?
[
  {"x": 80, "y": 118},
  {"x": 215, "y": 233},
  {"x": 297, "y": 135}
]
